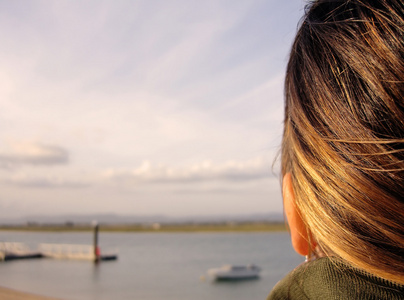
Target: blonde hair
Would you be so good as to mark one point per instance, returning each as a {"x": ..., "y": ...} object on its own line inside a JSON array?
[{"x": 343, "y": 138}]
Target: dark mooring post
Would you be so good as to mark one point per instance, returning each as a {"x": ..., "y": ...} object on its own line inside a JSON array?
[{"x": 96, "y": 248}]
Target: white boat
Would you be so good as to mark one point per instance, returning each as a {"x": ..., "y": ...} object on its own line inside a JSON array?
[{"x": 232, "y": 272}]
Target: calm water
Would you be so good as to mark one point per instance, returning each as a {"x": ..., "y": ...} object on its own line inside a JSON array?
[{"x": 152, "y": 266}]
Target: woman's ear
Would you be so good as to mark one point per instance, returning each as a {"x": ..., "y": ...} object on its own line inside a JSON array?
[{"x": 298, "y": 229}]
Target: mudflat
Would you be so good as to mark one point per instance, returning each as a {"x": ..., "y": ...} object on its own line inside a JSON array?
[{"x": 9, "y": 294}]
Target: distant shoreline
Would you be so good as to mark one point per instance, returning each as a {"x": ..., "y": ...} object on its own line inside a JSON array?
[{"x": 154, "y": 227}]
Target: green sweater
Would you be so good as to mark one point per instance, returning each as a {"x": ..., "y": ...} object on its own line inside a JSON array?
[{"x": 324, "y": 279}]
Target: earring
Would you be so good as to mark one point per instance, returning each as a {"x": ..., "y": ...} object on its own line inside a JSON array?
[{"x": 309, "y": 257}]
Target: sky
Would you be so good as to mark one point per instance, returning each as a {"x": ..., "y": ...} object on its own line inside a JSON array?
[{"x": 142, "y": 107}]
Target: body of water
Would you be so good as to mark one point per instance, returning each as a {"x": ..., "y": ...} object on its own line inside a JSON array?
[{"x": 152, "y": 266}]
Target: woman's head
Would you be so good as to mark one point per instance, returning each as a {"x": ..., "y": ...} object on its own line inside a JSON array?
[{"x": 343, "y": 142}]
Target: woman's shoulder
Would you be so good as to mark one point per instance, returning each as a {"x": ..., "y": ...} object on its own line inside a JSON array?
[{"x": 330, "y": 278}]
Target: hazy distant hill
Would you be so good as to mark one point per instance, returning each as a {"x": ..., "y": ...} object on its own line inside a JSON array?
[{"x": 135, "y": 219}]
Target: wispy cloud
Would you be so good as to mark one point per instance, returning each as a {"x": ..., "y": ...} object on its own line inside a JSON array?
[
  {"x": 43, "y": 182},
  {"x": 33, "y": 153},
  {"x": 239, "y": 171}
]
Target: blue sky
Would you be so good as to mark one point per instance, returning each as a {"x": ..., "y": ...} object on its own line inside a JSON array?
[{"x": 143, "y": 107}]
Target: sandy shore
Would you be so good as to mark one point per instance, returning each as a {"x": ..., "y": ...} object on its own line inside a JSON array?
[{"x": 9, "y": 294}]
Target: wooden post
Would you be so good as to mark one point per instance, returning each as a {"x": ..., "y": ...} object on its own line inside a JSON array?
[{"x": 96, "y": 248}]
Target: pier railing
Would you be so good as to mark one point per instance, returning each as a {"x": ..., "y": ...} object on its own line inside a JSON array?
[
  {"x": 10, "y": 247},
  {"x": 67, "y": 251},
  {"x": 11, "y": 251}
]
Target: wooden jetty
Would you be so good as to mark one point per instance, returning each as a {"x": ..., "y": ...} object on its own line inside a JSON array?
[
  {"x": 13, "y": 251},
  {"x": 10, "y": 251},
  {"x": 75, "y": 252}
]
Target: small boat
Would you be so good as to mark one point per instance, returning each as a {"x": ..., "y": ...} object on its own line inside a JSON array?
[{"x": 232, "y": 272}]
